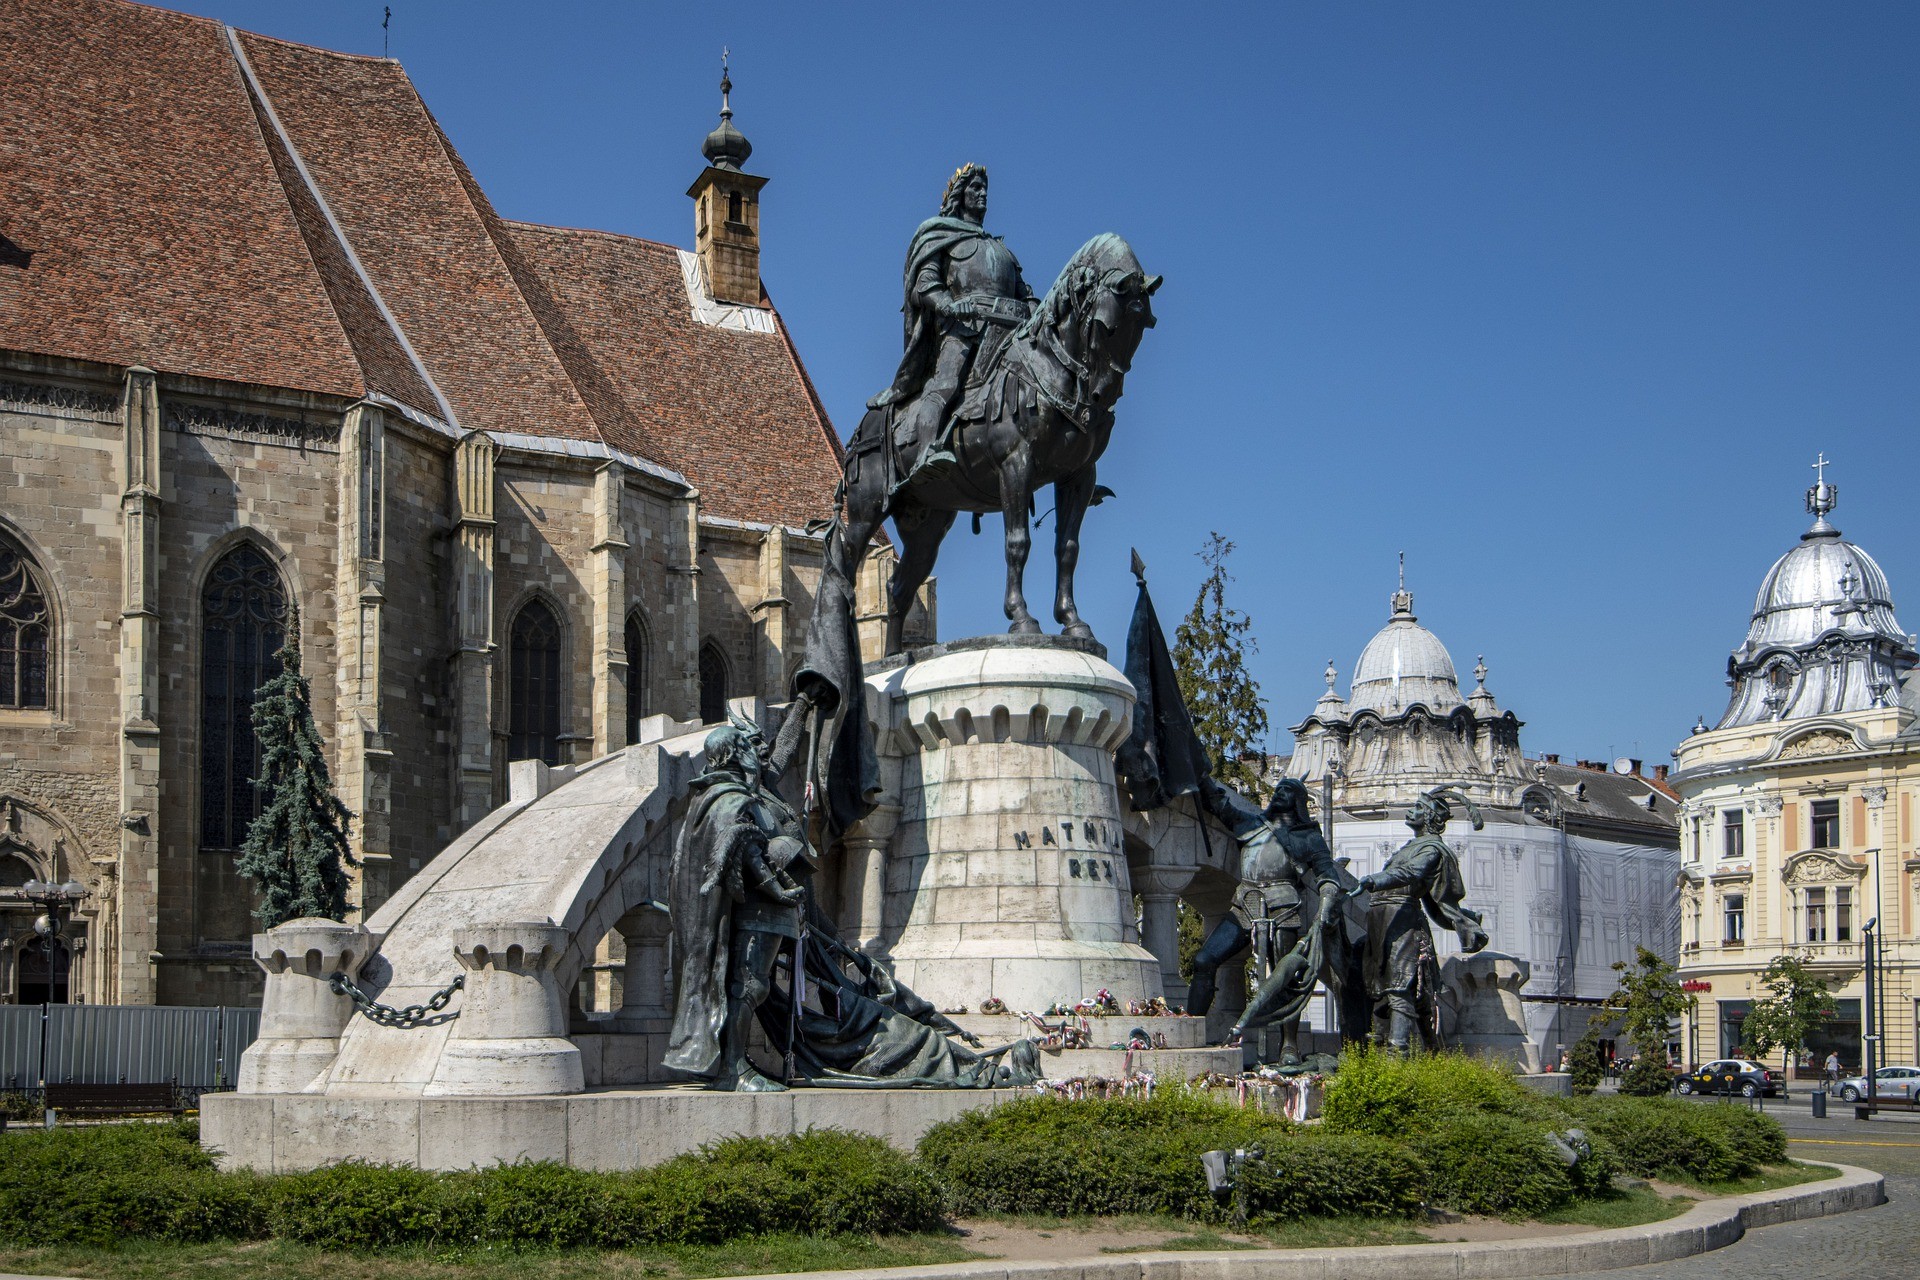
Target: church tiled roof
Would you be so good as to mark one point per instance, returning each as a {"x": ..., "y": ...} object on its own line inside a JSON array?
[{"x": 208, "y": 202}]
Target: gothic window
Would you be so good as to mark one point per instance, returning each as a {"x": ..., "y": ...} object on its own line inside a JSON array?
[
  {"x": 242, "y": 621},
  {"x": 533, "y": 685},
  {"x": 26, "y": 628},
  {"x": 636, "y": 674},
  {"x": 1826, "y": 824},
  {"x": 713, "y": 684}
]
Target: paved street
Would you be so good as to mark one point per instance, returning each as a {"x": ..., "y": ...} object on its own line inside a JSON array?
[{"x": 1868, "y": 1245}]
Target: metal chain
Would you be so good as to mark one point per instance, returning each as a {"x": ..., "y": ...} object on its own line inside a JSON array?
[{"x": 386, "y": 1015}]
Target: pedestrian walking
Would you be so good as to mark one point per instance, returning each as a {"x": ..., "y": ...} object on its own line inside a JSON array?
[{"x": 1833, "y": 1070}]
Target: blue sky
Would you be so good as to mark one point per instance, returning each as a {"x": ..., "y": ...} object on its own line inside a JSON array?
[{"x": 1561, "y": 299}]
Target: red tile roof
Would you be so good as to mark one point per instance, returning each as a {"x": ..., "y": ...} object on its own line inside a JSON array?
[{"x": 176, "y": 229}]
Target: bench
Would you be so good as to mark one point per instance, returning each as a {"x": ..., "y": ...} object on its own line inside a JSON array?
[{"x": 112, "y": 1099}]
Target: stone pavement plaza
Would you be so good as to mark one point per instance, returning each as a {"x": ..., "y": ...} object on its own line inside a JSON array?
[{"x": 1870, "y": 1244}]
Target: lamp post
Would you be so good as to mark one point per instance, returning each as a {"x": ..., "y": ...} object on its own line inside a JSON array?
[
  {"x": 1870, "y": 944},
  {"x": 53, "y": 900}
]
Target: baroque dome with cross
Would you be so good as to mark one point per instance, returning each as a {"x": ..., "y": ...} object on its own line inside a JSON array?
[{"x": 1823, "y": 637}]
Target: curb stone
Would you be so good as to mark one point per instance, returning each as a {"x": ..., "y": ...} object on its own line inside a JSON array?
[{"x": 1712, "y": 1224}]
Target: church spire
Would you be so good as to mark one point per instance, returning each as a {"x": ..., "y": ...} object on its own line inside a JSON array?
[
  {"x": 1403, "y": 598},
  {"x": 726, "y": 208},
  {"x": 1821, "y": 499}
]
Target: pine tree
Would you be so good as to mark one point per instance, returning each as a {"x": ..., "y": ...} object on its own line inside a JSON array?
[
  {"x": 296, "y": 851},
  {"x": 1210, "y": 652}
]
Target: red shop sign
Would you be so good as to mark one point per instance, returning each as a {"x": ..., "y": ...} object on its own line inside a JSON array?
[{"x": 1696, "y": 984}]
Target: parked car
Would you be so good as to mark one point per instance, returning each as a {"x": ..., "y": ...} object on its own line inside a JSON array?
[
  {"x": 1895, "y": 1084},
  {"x": 1731, "y": 1075}
]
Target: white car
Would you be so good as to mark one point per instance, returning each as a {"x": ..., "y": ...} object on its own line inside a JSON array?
[{"x": 1895, "y": 1084}]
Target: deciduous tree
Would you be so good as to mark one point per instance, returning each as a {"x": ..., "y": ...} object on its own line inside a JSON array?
[
  {"x": 1647, "y": 1001},
  {"x": 1798, "y": 1000}
]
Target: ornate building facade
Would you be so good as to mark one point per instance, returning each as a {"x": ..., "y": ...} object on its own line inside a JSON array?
[
  {"x": 1575, "y": 866},
  {"x": 269, "y": 359},
  {"x": 1797, "y": 806}
]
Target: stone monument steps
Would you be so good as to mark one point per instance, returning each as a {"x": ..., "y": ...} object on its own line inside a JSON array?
[{"x": 1165, "y": 1065}]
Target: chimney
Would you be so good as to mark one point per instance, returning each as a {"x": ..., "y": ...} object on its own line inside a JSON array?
[
  {"x": 1659, "y": 773},
  {"x": 726, "y": 211}
]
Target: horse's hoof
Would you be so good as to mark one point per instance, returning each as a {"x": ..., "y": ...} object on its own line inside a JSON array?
[
  {"x": 1078, "y": 631},
  {"x": 1024, "y": 627}
]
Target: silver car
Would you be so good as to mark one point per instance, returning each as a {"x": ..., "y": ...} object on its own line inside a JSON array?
[{"x": 1895, "y": 1084}]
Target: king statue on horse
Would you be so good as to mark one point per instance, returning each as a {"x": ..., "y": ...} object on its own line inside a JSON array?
[{"x": 964, "y": 295}]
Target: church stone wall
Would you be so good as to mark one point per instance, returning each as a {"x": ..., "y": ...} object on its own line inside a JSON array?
[
  {"x": 217, "y": 491},
  {"x": 417, "y": 694},
  {"x": 545, "y": 535},
  {"x": 60, "y": 474}
]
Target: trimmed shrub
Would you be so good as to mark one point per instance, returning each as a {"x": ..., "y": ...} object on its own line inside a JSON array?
[
  {"x": 107, "y": 1184},
  {"x": 1664, "y": 1137},
  {"x": 1647, "y": 1076},
  {"x": 1313, "y": 1174},
  {"x": 1090, "y": 1156},
  {"x": 821, "y": 1182},
  {"x": 356, "y": 1205},
  {"x": 1493, "y": 1164},
  {"x": 1584, "y": 1067},
  {"x": 1392, "y": 1097},
  {"x": 1755, "y": 1137}
]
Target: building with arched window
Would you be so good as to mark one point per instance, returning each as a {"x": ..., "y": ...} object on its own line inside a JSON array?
[
  {"x": 1798, "y": 806},
  {"x": 505, "y": 481}
]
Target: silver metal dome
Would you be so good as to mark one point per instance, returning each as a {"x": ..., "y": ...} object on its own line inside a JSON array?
[
  {"x": 1403, "y": 664},
  {"x": 1823, "y": 636}
]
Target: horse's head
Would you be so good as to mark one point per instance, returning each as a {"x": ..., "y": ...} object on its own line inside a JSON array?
[{"x": 1099, "y": 309}]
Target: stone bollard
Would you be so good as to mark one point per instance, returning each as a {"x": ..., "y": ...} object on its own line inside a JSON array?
[
  {"x": 510, "y": 1038},
  {"x": 1489, "y": 1017},
  {"x": 300, "y": 1016}
]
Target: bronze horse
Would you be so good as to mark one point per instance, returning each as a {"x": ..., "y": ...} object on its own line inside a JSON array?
[{"x": 1039, "y": 414}]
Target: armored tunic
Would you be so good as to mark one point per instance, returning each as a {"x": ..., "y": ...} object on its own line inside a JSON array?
[{"x": 954, "y": 261}]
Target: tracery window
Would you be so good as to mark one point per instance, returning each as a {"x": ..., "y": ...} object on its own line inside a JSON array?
[
  {"x": 242, "y": 622},
  {"x": 713, "y": 684},
  {"x": 533, "y": 685},
  {"x": 636, "y": 674},
  {"x": 26, "y": 629}
]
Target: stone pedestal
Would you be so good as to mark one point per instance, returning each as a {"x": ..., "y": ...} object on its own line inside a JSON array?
[
  {"x": 1489, "y": 1018},
  {"x": 300, "y": 1016},
  {"x": 511, "y": 1036},
  {"x": 1007, "y": 876}
]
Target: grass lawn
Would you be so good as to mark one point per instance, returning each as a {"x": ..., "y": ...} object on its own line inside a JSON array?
[
  {"x": 1626, "y": 1209},
  {"x": 1771, "y": 1178},
  {"x": 279, "y": 1260}
]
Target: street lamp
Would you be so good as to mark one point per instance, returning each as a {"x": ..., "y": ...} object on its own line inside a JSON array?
[
  {"x": 1870, "y": 944},
  {"x": 53, "y": 899}
]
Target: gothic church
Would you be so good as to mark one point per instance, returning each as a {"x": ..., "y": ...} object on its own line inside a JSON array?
[{"x": 269, "y": 359}]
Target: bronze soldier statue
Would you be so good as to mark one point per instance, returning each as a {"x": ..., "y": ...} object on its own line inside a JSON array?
[
  {"x": 1288, "y": 883},
  {"x": 1422, "y": 879},
  {"x": 965, "y": 294},
  {"x": 735, "y": 903}
]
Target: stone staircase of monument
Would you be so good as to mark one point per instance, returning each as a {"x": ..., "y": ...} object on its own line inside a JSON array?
[{"x": 1187, "y": 1053}]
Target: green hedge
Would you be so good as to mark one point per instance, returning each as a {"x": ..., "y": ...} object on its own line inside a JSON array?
[
  {"x": 1665, "y": 1137},
  {"x": 1379, "y": 1093},
  {"x": 1098, "y": 1157},
  {"x": 1441, "y": 1130},
  {"x": 99, "y": 1186}
]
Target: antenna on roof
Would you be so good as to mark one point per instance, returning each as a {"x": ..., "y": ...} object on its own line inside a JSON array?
[{"x": 385, "y": 19}]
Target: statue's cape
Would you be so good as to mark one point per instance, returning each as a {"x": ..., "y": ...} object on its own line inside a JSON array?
[
  {"x": 1445, "y": 893},
  {"x": 935, "y": 236},
  {"x": 699, "y": 899}
]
